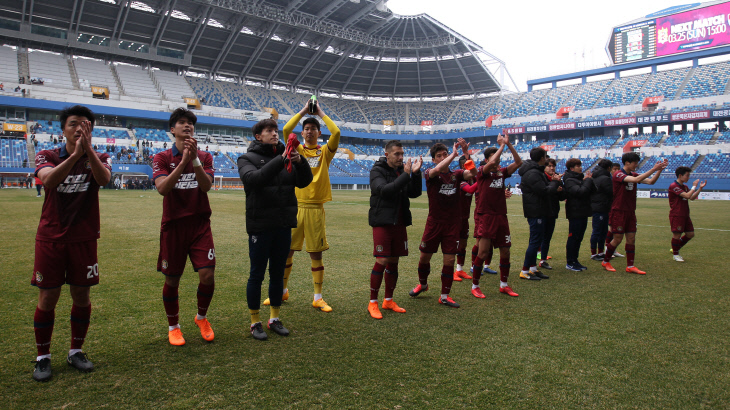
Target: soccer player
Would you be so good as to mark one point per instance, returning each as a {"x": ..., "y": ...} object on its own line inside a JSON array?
[
  {"x": 271, "y": 213},
  {"x": 536, "y": 190},
  {"x": 183, "y": 176},
  {"x": 442, "y": 187},
  {"x": 491, "y": 227},
  {"x": 615, "y": 167},
  {"x": 391, "y": 184},
  {"x": 310, "y": 213},
  {"x": 66, "y": 240},
  {"x": 623, "y": 210},
  {"x": 679, "y": 221},
  {"x": 554, "y": 199},
  {"x": 579, "y": 187},
  {"x": 600, "y": 206},
  {"x": 466, "y": 194}
]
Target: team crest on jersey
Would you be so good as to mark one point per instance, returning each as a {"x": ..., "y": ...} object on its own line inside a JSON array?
[
  {"x": 379, "y": 248},
  {"x": 87, "y": 164},
  {"x": 164, "y": 264},
  {"x": 319, "y": 152},
  {"x": 38, "y": 277},
  {"x": 453, "y": 177},
  {"x": 499, "y": 174},
  {"x": 620, "y": 228},
  {"x": 172, "y": 165}
]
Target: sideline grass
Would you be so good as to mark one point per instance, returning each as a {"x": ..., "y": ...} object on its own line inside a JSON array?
[{"x": 579, "y": 340}]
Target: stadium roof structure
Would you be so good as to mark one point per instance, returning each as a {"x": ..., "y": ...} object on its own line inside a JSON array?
[{"x": 344, "y": 47}]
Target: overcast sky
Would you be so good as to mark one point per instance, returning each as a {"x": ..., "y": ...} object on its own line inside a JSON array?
[{"x": 537, "y": 38}]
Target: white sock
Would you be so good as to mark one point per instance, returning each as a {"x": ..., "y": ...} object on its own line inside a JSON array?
[
  {"x": 444, "y": 296},
  {"x": 388, "y": 299},
  {"x": 459, "y": 267},
  {"x": 43, "y": 356},
  {"x": 273, "y": 318},
  {"x": 72, "y": 352},
  {"x": 629, "y": 267},
  {"x": 171, "y": 328},
  {"x": 485, "y": 267},
  {"x": 473, "y": 286},
  {"x": 285, "y": 290},
  {"x": 533, "y": 268},
  {"x": 503, "y": 284},
  {"x": 373, "y": 300},
  {"x": 200, "y": 317},
  {"x": 317, "y": 296},
  {"x": 524, "y": 271}
]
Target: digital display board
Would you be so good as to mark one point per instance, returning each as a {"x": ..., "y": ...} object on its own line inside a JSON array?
[{"x": 692, "y": 30}]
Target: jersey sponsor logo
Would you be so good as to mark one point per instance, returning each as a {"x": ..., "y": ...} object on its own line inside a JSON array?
[
  {"x": 629, "y": 186},
  {"x": 187, "y": 181},
  {"x": 499, "y": 174},
  {"x": 314, "y": 161},
  {"x": 74, "y": 183},
  {"x": 109, "y": 161},
  {"x": 40, "y": 159},
  {"x": 172, "y": 165},
  {"x": 497, "y": 183},
  {"x": 447, "y": 189},
  {"x": 155, "y": 166},
  {"x": 38, "y": 277}
]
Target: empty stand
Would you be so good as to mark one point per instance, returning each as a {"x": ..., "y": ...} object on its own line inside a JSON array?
[
  {"x": 622, "y": 91},
  {"x": 173, "y": 86},
  {"x": 664, "y": 83},
  {"x": 52, "y": 68},
  {"x": 207, "y": 92},
  {"x": 96, "y": 73},
  {"x": 238, "y": 96},
  {"x": 8, "y": 64},
  {"x": 13, "y": 153},
  {"x": 136, "y": 81},
  {"x": 708, "y": 80}
]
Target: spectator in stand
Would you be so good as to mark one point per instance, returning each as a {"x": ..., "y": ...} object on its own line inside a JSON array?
[
  {"x": 164, "y": 145},
  {"x": 579, "y": 187},
  {"x": 17, "y": 89},
  {"x": 2, "y": 87},
  {"x": 601, "y": 206}
]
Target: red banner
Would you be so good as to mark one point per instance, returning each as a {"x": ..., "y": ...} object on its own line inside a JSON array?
[
  {"x": 513, "y": 130},
  {"x": 651, "y": 101},
  {"x": 686, "y": 116},
  {"x": 628, "y": 147},
  {"x": 547, "y": 147},
  {"x": 564, "y": 112},
  {"x": 111, "y": 140},
  {"x": 488, "y": 121},
  {"x": 426, "y": 123}
]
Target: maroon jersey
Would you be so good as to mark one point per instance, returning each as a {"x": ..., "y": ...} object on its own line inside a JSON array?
[
  {"x": 71, "y": 210},
  {"x": 185, "y": 199},
  {"x": 678, "y": 206},
  {"x": 465, "y": 201},
  {"x": 491, "y": 200},
  {"x": 443, "y": 195},
  {"x": 624, "y": 193}
]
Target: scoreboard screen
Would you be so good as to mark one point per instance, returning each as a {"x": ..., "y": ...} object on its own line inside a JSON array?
[
  {"x": 633, "y": 42},
  {"x": 692, "y": 30}
]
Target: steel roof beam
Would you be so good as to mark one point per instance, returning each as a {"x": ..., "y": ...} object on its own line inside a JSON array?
[
  {"x": 441, "y": 73},
  {"x": 203, "y": 18},
  {"x": 311, "y": 62},
  {"x": 123, "y": 8},
  {"x": 232, "y": 37},
  {"x": 359, "y": 14},
  {"x": 73, "y": 13},
  {"x": 285, "y": 58},
  {"x": 331, "y": 8},
  {"x": 377, "y": 68},
  {"x": 354, "y": 70},
  {"x": 294, "y": 5},
  {"x": 162, "y": 25},
  {"x": 257, "y": 53},
  {"x": 335, "y": 67},
  {"x": 463, "y": 72}
]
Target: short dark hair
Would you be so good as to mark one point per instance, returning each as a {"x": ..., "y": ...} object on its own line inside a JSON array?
[
  {"x": 438, "y": 147},
  {"x": 392, "y": 143},
  {"x": 260, "y": 126},
  {"x": 615, "y": 165},
  {"x": 630, "y": 157},
  {"x": 462, "y": 161},
  {"x": 311, "y": 120},
  {"x": 537, "y": 153},
  {"x": 79, "y": 111},
  {"x": 181, "y": 113},
  {"x": 605, "y": 163},
  {"x": 489, "y": 152},
  {"x": 551, "y": 161},
  {"x": 572, "y": 163},
  {"x": 682, "y": 170}
]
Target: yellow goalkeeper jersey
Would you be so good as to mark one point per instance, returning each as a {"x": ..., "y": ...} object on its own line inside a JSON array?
[{"x": 319, "y": 158}]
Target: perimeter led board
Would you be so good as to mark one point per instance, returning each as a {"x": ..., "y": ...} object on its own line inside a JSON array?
[{"x": 677, "y": 33}]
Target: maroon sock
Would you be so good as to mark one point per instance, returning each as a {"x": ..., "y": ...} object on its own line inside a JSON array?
[
  {"x": 504, "y": 269},
  {"x": 447, "y": 279},
  {"x": 609, "y": 238},
  {"x": 424, "y": 269},
  {"x": 477, "y": 274},
  {"x": 684, "y": 240},
  {"x": 79, "y": 325},
  {"x": 205, "y": 295},
  {"x": 376, "y": 279},
  {"x": 609, "y": 252},
  {"x": 474, "y": 253},
  {"x": 490, "y": 253},
  {"x": 676, "y": 246},
  {"x": 172, "y": 307},
  {"x": 43, "y": 328},
  {"x": 391, "y": 279},
  {"x": 630, "y": 253},
  {"x": 461, "y": 258},
  {"x": 593, "y": 251}
]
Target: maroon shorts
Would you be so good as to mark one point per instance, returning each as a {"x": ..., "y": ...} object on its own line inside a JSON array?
[
  {"x": 622, "y": 222},
  {"x": 178, "y": 239},
  {"x": 56, "y": 263},
  {"x": 391, "y": 240},
  {"x": 446, "y": 235},
  {"x": 464, "y": 231},
  {"x": 493, "y": 227},
  {"x": 681, "y": 224}
]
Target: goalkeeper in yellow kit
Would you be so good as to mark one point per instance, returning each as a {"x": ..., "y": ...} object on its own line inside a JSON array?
[{"x": 310, "y": 216}]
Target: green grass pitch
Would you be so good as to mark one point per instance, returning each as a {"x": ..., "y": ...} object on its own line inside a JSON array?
[{"x": 578, "y": 340}]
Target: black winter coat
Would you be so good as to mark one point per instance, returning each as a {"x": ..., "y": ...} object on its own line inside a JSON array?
[
  {"x": 578, "y": 191},
  {"x": 603, "y": 197},
  {"x": 389, "y": 192},
  {"x": 554, "y": 199},
  {"x": 270, "y": 199},
  {"x": 536, "y": 188}
]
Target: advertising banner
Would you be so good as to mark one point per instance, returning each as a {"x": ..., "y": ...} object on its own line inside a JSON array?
[
  {"x": 273, "y": 112},
  {"x": 687, "y": 116},
  {"x": 192, "y": 102},
  {"x": 426, "y": 125},
  {"x": 490, "y": 119},
  {"x": 536, "y": 128},
  {"x": 648, "y": 119},
  {"x": 388, "y": 124},
  {"x": 513, "y": 130},
  {"x": 616, "y": 122},
  {"x": 630, "y": 145},
  {"x": 100, "y": 92},
  {"x": 547, "y": 147},
  {"x": 562, "y": 126},
  {"x": 111, "y": 140},
  {"x": 564, "y": 112},
  {"x": 720, "y": 113},
  {"x": 14, "y": 127},
  {"x": 693, "y": 30},
  {"x": 589, "y": 124},
  {"x": 658, "y": 194},
  {"x": 648, "y": 101}
]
